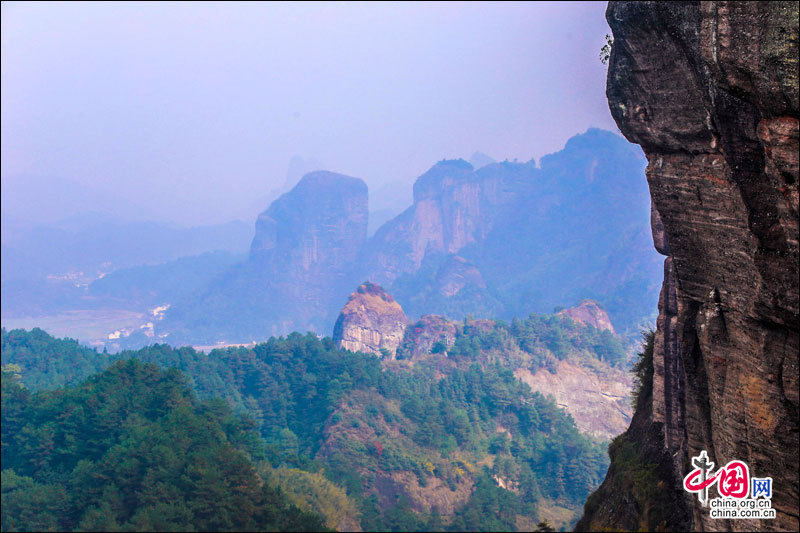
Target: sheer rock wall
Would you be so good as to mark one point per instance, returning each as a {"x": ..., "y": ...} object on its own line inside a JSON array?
[{"x": 710, "y": 92}]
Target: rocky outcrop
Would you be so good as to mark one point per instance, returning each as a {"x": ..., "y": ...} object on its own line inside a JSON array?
[
  {"x": 641, "y": 490},
  {"x": 710, "y": 92},
  {"x": 371, "y": 322},
  {"x": 452, "y": 208},
  {"x": 596, "y": 394},
  {"x": 422, "y": 336},
  {"x": 589, "y": 313},
  {"x": 598, "y": 399},
  {"x": 300, "y": 268},
  {"x": 504, "y": 240},
  {"x": 510, "y": 238},
  {"x": 316, "y": 228},
  {"x": 306, "y": 245}
]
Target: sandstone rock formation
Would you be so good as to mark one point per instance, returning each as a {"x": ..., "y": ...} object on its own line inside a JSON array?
[
  {"x": 596, "y": 394},
  {"x": 598, "y": 400},
  {"x": 504, "y": 240},
  {"x": 710, "y": 92},
  {"x": 371, "y": 322},
  {"x": 590, "y": 313},
  {"x": 452, "y": 208},
  {"x": 421, "y": 337},
  {"x": 511, "y": 238},
  {"x": 301, "y": 267}
]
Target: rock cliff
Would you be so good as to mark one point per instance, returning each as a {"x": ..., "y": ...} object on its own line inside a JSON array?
[
  {"x": 596, "y": 394},
  {"x": 588, "y": 312},
  {"x": 452, "y": 208},
  {"x": 504, "y": 240},
  {"x": 300, "y": 268},
  {"x": 510, "y": 238},
  {"x": 371, "y": 322},
  {"x": 710, "y": 92},
  {"x": 597, "y": 398},
  {"x": 422, "y": 336}
]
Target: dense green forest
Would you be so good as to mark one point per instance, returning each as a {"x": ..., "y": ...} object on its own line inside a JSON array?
[
  {"x": 133, "y": 449},
  {"x": 539, "y": 341},
  {"x": 438, "y": 443}
]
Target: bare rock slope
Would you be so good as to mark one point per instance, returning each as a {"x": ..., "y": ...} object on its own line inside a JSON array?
[{"x": 598, "y": 398}]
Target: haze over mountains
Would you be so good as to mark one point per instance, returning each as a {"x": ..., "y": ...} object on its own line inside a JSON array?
[
  {"x": 500, "y": 241},
  {"x": 493, "y": 239}
]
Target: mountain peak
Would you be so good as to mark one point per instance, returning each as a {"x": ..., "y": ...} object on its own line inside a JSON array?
[
  {"x": 371, "y": 322},
  {"x": 589, "y": 313}
]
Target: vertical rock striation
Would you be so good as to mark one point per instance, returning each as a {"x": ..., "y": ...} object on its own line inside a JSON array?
[
  {"x": 371, "y": 322},
  {"x": 710, "y": 92},
  {"x": 299, "y": 270},
  {"x": 306, "y": 245},
  {"x": 510, "y": 238}
]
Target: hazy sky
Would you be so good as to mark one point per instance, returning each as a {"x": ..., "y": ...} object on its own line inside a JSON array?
[{"x": 195, "y": 110}]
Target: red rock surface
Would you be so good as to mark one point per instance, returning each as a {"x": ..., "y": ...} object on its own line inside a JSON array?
[
  {"x": 371, "y": 322},
  {"x": 710, "y": 92}
]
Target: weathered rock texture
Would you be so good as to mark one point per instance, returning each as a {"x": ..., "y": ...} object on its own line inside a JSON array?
[
  {"x": 421, "y": 337},
  {"x": 504, "y": 240},
  {"x": 589, "y": 313},
  {"x": 306, "y": 244},
  {"x": 597, "y": 398},
  {"x": 312, "y": 234},
  {"x": 710, "y": 92},
  {"x": 453, "y": 207},
  {"x": 596, "y": 394},
  {"x": 371, "y": 322}
]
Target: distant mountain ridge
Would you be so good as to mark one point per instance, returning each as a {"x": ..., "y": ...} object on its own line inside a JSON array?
[
  {"x": 47, "y": 267},
  {"x": 511, "y": 238},
  {"x": 300, "y": 267},
  {"x": 501, "y": 241}
]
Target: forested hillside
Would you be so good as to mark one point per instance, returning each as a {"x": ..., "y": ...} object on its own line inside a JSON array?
[
  {"x": 133, "y": 449},
  {"x": 443, "y": 443}
]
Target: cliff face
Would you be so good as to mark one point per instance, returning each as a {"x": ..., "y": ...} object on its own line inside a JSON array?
[
  {"x": 370, "y": 322},
  {"x": 710, "y": 92},
  {"x": 314, "y": 232},
  {"x": 452, "y": 208},
  {"x": 510, "y": 238},
  {"x": 597, "y": 398},
  {"x": 588, "y": 312},
  {"x": 301, "y": 267},
  {"x": 596, "y": 394},
  {"x": 306, "y": 245},
  {"x": 504, "y": 240}
]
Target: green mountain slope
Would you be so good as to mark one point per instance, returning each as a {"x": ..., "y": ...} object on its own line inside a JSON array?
[
  {"x": 435, "y": 443},
  {"x": 133, "y": 449}
]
